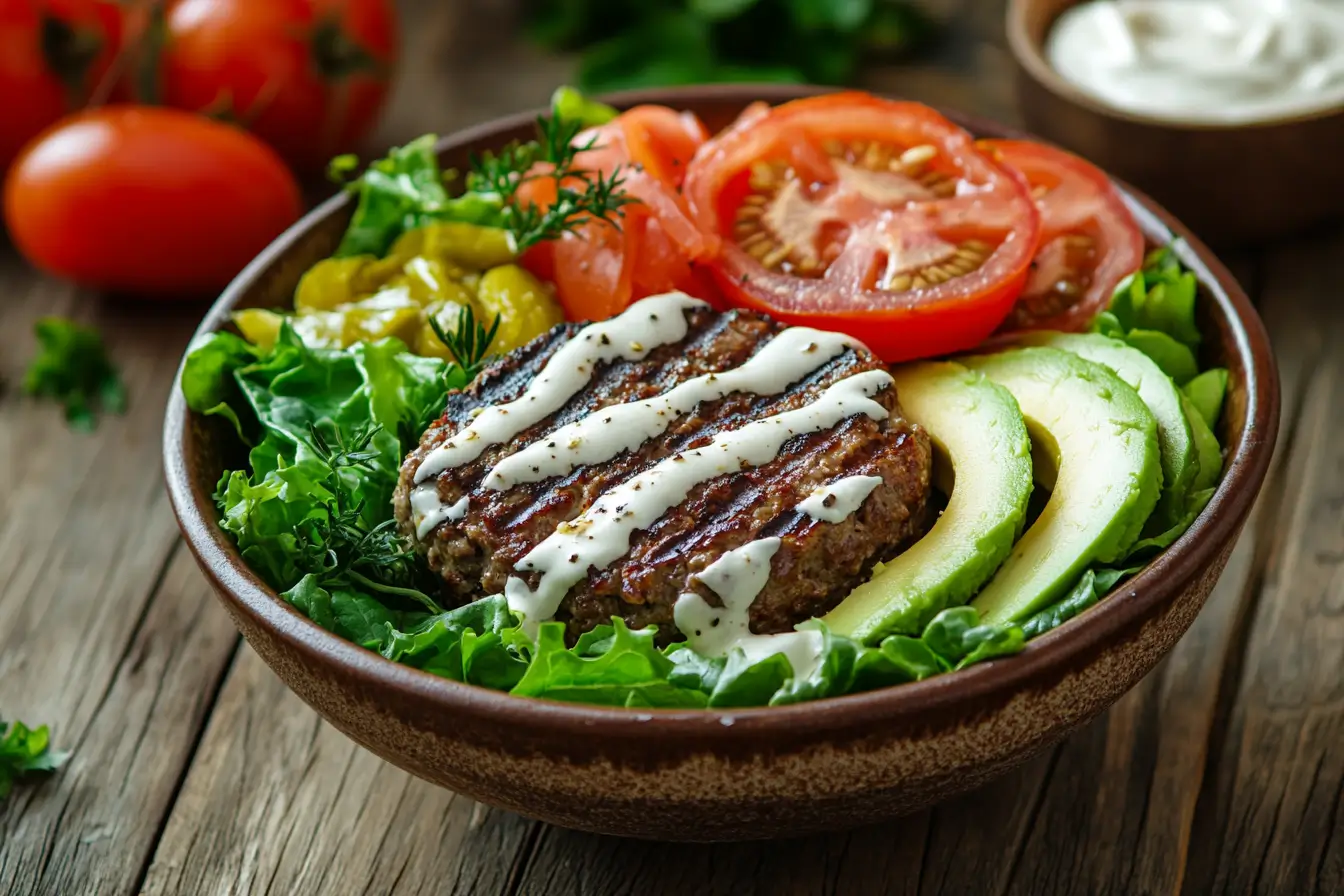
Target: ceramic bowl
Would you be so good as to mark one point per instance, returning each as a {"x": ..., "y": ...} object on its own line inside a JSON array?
[
  {"x": 745, "y": 773},
  {"x": 1233, "y": 184}
]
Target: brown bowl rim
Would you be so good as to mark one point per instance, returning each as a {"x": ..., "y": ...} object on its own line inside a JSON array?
[
  {"x": 1161, "y": 581},
  {"x": 1030, "y": 56}
]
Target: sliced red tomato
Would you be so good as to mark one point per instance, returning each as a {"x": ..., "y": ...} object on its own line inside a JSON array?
[
  {"x": 599, "y": 269},
  {"x": 1089, "y": 240},
  {"x": 875, "y": 218}
]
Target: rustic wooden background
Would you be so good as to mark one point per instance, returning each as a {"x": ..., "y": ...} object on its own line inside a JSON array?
[{"x": 195, "y": 771}]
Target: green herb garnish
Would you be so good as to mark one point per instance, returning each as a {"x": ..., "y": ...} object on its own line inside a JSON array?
[
  {"x": 407, "y": 189},
  {"x": 469, "y": 344},
  {"x": 25, "y": 751},
  {"x": 72, "y": 367},
  {"x": 598, "y": 198},
  {"x": 340, "y": 548}
]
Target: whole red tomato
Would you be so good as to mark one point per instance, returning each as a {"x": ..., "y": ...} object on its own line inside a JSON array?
[
  {"x": 307, "y": 76},
  {"x": 149, "y": 201},
  {"x": 53, "y": 56}
]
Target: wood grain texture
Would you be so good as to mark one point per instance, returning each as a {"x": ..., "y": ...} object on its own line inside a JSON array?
[
  {"x": 107, "y": 631},
  {"x": 279, "y": 802},
  {"x": 1269, "y": 819}
]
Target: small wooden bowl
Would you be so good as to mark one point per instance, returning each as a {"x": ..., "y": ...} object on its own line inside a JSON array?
[
  {"x": 1234, "y": 185},
  {"x": 747, "y": 773}
]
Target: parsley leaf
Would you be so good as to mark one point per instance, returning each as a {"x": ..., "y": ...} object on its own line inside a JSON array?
[
  {"x": 23, "y": 751},
  {"x": 72, "y": 367}
]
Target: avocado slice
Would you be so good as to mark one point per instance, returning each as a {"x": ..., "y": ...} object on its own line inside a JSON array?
[
  {"x": 1175, "y": 441},
  {"x": 982, "y": 459},
  {"x": 1102, "y": 440}
]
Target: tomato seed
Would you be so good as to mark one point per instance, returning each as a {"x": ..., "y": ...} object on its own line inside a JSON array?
[{"x": 917, "y": 156}]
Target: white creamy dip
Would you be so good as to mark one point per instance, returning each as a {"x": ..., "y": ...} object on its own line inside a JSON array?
[{"x": 1204, "y": 61}]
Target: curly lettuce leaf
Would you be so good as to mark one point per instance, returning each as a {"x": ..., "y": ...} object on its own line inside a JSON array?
[
  {"x": 956, "y": 636},
  {"x": 629, "y": 670},
  {"x": 1206, "y": 393},
  {"x": 954, "y": 639},
  {"x": 1160, "y": 297},
  {"x": 1174, "y": 357},
  {"x": 354, "y": 615},
  {"x": 403, "y": 191},
  {"x": 1080, "y": 597},
  {"x": 479, "y": 643},
  {"x": 281, "y": 394}
]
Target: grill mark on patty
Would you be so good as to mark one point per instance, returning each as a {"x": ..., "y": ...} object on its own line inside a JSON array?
[{"x": 476, "y": 555}]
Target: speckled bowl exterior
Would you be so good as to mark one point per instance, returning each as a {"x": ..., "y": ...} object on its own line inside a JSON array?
[{"x": 733, "y": 774}]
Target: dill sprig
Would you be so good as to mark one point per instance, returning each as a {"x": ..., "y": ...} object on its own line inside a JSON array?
[
  {"x": 340, "y": 548},
  {"x": 581, "y": 195},
  {"x": 469, "y": 344}
]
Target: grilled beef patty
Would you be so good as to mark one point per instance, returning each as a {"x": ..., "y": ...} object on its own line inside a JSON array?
[{"x": 817, "y": 562}]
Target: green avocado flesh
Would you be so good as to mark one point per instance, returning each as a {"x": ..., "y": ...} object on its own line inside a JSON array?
[
  {"x": 978, "y": 432},
  {"x": 1180, "y": 458},
  {"x": 1107, "y": 482}
]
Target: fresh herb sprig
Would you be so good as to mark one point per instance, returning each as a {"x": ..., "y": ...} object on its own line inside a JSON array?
[
  {"x": 407, "y": 189},
  {"x": 25, "y": 751},
  {"x": 469, "y": 344},
  {"x": 340, "y": 548},
  {"x": 72, "y": 368},
  {"x": 582, "y": 195}
]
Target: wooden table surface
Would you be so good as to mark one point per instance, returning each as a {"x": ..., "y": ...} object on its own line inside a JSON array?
[{"x": 195, "y": 771}]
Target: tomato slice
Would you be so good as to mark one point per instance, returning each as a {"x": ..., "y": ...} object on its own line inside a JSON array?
[
  {"x": 876, "y": 218},
  {"x": 599, "y": 269},
  {"x": 1089, "y": 240}
]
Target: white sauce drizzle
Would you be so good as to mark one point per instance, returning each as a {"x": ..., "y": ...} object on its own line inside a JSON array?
[
  {"x": 427, "y": 511},
  {"x": 604, "y": 434},
  {"x": 845, "y": 496},
  {"x": 737, "y": 577},
  {"x": 602, "y": 533},
  {"x": 644, "y": 326}
]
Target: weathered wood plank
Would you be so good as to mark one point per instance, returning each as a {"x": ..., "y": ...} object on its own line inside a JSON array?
[
  {"x": 105, "y": 634},
  {"x": 277, "y": 801},
  {"x": 1269, "y": 820},
  {"x": 92, "y": 827}
]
